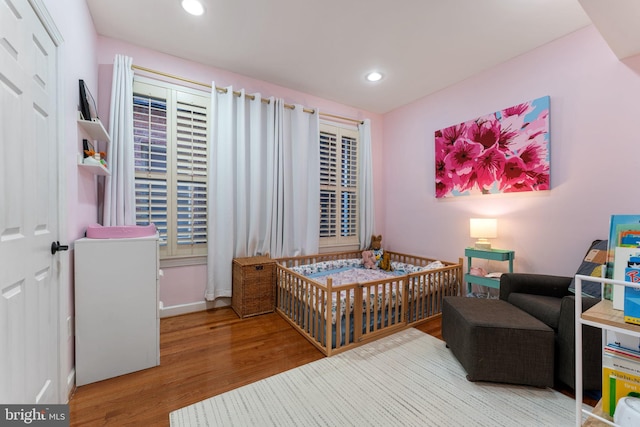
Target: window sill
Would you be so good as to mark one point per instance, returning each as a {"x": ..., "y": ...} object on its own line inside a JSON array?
[
  {"x": 183, "y": 261},
  {"x": 338, "y": 248}
]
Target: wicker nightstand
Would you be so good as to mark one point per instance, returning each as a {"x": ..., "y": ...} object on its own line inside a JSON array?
[{"x": 253, "y": 286}]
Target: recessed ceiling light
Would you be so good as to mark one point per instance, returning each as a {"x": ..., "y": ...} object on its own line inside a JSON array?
[
  {"x": 193, "y": 7},
  {"x": 374, "y": 76}
]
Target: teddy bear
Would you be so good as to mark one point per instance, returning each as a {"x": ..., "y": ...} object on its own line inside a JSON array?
[
  {"x": 376, "y": 242},
  {"x": 368, "y": 259},
  {"x": 385, "y": 262},
  {"x": 371, "y": 257}
]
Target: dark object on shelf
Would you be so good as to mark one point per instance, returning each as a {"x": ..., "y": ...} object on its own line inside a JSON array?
[
  {"x": 86, "y": 147},
  {"x": 87, "y": 103}
]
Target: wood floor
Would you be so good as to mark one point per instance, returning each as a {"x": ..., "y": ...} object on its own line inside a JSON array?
[{"x": 201, "y": 355}]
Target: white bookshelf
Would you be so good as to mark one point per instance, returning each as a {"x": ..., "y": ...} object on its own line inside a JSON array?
[{"x": 603, "y": 316}]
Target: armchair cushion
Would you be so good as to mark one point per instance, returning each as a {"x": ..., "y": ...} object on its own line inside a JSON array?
[
  {"x": 543, "y": 308},
  {"x": 536, "y": 284}
]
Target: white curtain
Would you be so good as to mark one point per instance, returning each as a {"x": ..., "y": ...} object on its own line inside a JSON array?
[
  {"x": 293, "y": 183},
  {"x": 263, "y": 195},
  {"x": 119, "y": 193},
  {"x": 365, "y": 182}
]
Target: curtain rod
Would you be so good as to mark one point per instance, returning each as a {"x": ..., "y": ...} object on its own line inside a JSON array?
[{"x": 224, "y": 90}]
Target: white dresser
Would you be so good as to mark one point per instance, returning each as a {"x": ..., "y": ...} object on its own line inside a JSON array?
[{"x": 116, "y": 307}]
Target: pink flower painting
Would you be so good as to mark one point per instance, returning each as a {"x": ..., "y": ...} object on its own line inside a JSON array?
[{"x": 503, "y": 152}]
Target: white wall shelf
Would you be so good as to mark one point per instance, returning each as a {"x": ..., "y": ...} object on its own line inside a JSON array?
[
  {"x": 603, "y": 316},
  {"x": 94, "y": 169},
  {"x": 95, "y": 130}
]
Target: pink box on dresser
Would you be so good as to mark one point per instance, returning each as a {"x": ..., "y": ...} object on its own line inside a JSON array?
[{"x": 97, "y": 231}]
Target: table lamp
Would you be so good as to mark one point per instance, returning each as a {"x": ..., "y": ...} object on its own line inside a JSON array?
[{"x": 483, "y": 229}]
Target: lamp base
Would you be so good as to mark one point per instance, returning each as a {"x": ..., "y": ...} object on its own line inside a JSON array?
[{"x": 483, "y": 244}]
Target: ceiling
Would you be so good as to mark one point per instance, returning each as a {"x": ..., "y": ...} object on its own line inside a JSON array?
[{"x": 325, "y": 48}]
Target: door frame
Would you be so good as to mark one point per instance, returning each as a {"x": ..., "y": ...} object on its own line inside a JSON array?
[{"x": 66, "y": 379}]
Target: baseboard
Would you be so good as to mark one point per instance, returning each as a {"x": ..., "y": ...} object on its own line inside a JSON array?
[{"x": 177, "y": 310}]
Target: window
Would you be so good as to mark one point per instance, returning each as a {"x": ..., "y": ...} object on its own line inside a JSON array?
[
  {"x": 170, "y": 146},
  {"x": 338, "y": 186}
]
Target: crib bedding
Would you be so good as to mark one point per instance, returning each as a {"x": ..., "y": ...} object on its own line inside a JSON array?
[
  {"x": 349, "y": 272},
  {"x": 317, "y": 295},
  {"x": 328, "y": 268},
  {"x": 346, "y": 275}
]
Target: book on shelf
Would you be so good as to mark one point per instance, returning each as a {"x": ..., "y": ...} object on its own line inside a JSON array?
[
  {"x": 626, "y": 268},
  {"x": 624, "y": 232},
  {"x": 622, "y": 352},
  {"x": 619, "y": 225},
  {"x": 624, "y": 341},
  {"x": 620, "y": 378}
]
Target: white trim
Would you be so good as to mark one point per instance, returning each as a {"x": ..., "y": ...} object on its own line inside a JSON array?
[
  {"x": 63, "y": 357},
  {"x": 339, "y": 248},
  {"x": 183, "y": 261},
  {"x": 194, "y": 307},
  {"x": 71, "y": 383},
  {"x": 47, "y": 22},
  {"x": 338, "y": 123},
  {"x": 172, "y": 86}
]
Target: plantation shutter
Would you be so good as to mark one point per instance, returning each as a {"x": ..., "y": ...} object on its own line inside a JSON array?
[
  {"x": 191, "y": 174},
  {"x": 170, "y": 144},
  {"x": 328, "y": 181},
  {"x": 338, "y": 186},
  {"x": 349, "y": 181},
  {"x": 150, "y": 154}
]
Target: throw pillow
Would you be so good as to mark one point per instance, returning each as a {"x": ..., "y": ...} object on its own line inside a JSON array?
[{"x": 592, "y": 266}]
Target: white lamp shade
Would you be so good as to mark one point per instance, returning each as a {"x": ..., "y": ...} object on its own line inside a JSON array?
[{"x": 483, "y": 228}]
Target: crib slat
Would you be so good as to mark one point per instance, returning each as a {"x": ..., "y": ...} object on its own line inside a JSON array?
[{"x": 357, "y": 314}]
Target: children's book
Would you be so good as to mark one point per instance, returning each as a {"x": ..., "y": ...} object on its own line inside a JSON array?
[
  {"x": 620, "y": 224},
  {"x": 624, "y": 231},
  {"x": 626, "y": 267},
  {"x": 616, "y": 339},
  {"x": 620, "y": 378},
  {"x": 623, "y": 353}
]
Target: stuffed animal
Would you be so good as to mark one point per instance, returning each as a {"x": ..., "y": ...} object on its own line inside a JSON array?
[
  {"x": 368, "y": 259},
  {"x": 376, "y": 248},
  {"x": 376, "y": 242},
  {"x": 385, "y": 262}
]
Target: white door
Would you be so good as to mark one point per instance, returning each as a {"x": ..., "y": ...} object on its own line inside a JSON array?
[{"x": 29, "y": 273}]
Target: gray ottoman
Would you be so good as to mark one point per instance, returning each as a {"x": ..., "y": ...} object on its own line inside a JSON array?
[{"x": 495, "y": 341}]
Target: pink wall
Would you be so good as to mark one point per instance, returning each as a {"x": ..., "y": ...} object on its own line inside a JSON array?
[
  {"x": 594, "y": 116},
  {"x": 185, "y": 285},
  {"x": 78, "y": 61},
  {"x": 593, "y": 112}
]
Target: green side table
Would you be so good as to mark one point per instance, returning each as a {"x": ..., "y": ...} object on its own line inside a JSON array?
[{"x": 488, "y": 254}]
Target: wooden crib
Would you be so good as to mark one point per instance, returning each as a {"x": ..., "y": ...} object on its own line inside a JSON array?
[{"x": 327, "y": 314}]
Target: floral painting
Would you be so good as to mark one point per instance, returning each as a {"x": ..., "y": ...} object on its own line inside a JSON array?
[{"x": 503, "y": 152}]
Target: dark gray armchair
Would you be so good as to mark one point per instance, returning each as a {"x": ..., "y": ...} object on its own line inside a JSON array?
[{"x": 548, "y": 299}]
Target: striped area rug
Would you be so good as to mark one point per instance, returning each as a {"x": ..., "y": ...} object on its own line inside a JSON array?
[{"x": 407, "y": 379}]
